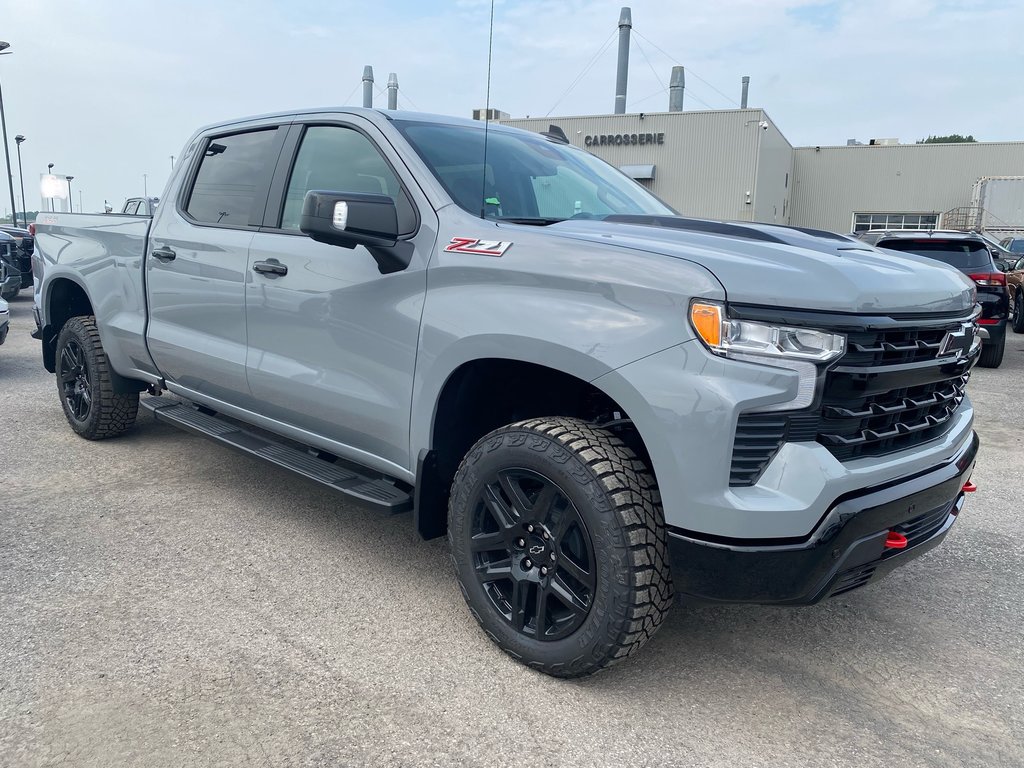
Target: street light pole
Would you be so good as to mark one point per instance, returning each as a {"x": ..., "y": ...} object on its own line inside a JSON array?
[
  {"x": 7, "y": 153},
  {"x": 49, "y": 172},
  {"x": 21, "y": 178},
  {"x": 145, "y": 189},
  {"x": 71, "y": 207}
]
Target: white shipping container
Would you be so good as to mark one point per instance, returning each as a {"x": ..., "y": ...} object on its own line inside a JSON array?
[{"x": 1002, "y": 199}]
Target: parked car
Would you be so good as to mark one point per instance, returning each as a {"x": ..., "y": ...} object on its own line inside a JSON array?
[
  {"x": 970, "y": 253},
  {"x": 1013, "y": 244},
  {"x": 5, "y": 318},
  {"x": 1015, "y": 285},
  {"x": 10, "y": 256},
  {"x": 597, "y": 400}
]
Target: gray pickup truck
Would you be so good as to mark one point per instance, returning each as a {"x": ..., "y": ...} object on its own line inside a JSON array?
[{"x": 600, "y": 402}]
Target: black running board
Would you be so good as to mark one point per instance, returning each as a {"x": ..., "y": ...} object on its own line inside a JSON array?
[{"x": 365, "y": 489}]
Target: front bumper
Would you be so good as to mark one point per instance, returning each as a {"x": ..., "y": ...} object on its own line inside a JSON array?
[{"x": 844, "y": 552}]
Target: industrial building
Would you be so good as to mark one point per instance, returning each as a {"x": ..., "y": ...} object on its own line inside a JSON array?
[{"x": 737, "y": 164}]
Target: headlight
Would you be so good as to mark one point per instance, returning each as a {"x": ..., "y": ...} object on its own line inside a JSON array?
[{"x": 741, "y": 338}]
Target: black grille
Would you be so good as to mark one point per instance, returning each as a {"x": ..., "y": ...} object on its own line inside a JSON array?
[
  {"x": 893, "y": 421},
  {"x": 889, "y": 392}
]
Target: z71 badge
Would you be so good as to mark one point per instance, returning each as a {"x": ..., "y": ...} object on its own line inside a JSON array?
[{"x": 478, "y": 247}]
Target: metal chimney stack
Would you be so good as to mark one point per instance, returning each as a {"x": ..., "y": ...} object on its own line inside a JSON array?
[
  {"x": 367, "y": 86},
  {"x": 676, "y": 85},
  {"x": 622, "y": 74},
  {"x": 743, "y": 96},
  {"x": 392, "y": 91}
]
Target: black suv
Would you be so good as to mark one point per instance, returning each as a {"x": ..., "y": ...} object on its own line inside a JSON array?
[
  {"x": 972, "y": 255},
  {"x": 21, "y": 264}
]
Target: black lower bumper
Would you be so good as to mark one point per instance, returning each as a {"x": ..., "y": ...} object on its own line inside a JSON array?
[{"x": 846, "y": 551}]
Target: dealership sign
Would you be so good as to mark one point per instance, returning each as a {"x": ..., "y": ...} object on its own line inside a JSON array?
[{"x": 617, "y": 139}]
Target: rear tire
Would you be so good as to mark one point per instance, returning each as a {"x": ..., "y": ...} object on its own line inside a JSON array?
[
  {"x": 991, "y": 355},
  {"x": 1018, "y": 311},
  {"x": 10, "y": 293},
  {"x": 558, "y": 541},
  {"x": 85, "y": 386}
]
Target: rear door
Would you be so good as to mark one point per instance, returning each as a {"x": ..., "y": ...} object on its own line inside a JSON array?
[
  {"x": 197, "y": 262},
  {"x": 332, "y": 343}
]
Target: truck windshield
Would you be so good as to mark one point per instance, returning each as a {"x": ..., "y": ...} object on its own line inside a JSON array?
[{"x": 528, "y": 179}]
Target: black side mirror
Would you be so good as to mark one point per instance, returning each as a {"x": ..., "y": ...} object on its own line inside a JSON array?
[{"x": 349, "y": 219}]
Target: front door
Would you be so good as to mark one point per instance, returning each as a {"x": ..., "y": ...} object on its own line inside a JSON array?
[
  {"x": 197, "y": 264},
  {"x": 332, "y": 343}
]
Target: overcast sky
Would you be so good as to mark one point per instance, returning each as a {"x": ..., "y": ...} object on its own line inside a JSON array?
[{"x": 109, "y": 91}]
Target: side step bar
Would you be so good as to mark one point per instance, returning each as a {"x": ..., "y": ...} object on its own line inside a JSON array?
[{"x": 364, "y": 489}]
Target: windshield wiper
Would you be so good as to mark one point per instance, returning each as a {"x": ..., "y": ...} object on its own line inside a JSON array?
[{"x": 536, "y": 221}]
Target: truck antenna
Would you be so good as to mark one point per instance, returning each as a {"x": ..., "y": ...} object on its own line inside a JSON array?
[{"x": 487, "y": 117}]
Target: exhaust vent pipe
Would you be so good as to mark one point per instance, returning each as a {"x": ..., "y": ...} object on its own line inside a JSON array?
[
  {"x": 676, "y": 85},
  {"x": 622, "y": 73}
]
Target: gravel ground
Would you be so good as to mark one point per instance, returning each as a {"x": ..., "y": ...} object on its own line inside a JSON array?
[{"x": 164, "y": 601}]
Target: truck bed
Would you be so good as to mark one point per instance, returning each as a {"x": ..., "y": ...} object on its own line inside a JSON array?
[{"x": 80, "y": 248}]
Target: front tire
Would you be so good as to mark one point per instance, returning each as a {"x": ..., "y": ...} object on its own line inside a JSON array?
[
  {"x": 559, "y": 545},
  {"x": 85, "y": 385},
  {"x": 1018, "y": 311}
]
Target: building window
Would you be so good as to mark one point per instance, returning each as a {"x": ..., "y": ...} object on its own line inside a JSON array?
[{"x": 862, "y": 222}]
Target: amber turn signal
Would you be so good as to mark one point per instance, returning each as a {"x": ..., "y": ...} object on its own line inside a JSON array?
[{"x": 706, "y": 320}]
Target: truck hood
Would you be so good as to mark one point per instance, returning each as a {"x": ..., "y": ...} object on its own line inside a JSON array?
[{"x": 788, "y": 267}]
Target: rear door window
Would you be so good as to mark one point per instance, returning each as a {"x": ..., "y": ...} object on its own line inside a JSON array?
[
  {"x": 962, "y": 254},
  {"x": 230, "y": 186}
]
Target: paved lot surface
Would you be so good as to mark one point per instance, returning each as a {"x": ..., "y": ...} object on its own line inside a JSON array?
[{"x": 164, "y": 601}]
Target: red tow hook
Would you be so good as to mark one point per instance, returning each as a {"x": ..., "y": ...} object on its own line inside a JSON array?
[
  {"x": 895, "y": 540},
  {"x": 969, "y": 487}
]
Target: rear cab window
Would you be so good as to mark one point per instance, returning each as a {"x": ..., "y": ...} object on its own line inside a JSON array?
[
  {"x": 962, "y": 254},
  {"x": 230, "y": 185}
]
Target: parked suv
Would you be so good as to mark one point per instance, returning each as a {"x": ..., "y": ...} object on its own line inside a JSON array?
[
  {"x": 1015, "y": 285},
  {"x": 24, "y": 246},
  {"x": 10, "y": 257},
  {"x": 971, "y": 254}
]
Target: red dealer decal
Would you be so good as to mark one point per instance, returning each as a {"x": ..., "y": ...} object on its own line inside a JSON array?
[{"x": 478, "y": 247}]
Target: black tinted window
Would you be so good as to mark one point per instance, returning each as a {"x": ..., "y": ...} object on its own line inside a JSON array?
[
  {"x": 963, "y": 254},
  {"x": 229, "y": 177}
]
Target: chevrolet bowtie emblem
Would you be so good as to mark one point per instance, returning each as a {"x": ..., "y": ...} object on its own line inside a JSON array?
[{"x": 957, "y": 344}]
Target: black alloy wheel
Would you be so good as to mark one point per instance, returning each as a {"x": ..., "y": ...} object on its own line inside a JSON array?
[
  {"x": 96, "y": 402},
  {"x": 75, "y": 385},
  {"x": 559, "y": 545},
  {"x": 532, "y": 554}
]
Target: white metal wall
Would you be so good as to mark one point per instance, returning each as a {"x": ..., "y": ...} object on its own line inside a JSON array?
[{"x": 833, "y": 183}]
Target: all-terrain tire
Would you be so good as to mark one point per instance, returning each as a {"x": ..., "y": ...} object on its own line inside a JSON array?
[
  {"x": 1018, "y": 311},
  {"x": 615, "y": 496},
  {"x": 991, "y": 355},
  {"x": 109, "y": 413}
]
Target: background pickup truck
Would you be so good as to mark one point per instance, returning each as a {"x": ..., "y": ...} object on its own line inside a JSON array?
[{"x": 597, "y": 400}]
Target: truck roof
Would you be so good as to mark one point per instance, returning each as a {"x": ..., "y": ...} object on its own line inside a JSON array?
[{"x": 373, "y": 114}]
